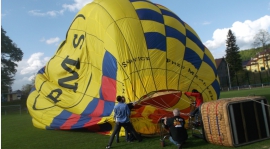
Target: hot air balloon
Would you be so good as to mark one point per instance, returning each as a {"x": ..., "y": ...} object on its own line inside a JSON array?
[{"x": 133, "y": 48}]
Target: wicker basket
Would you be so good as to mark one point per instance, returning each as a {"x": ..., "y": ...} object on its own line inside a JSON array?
[{"x": 236, "y": 121}]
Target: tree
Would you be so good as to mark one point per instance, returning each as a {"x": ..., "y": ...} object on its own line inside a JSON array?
[
  {"x": 10, "y": 54},
  {"x": 26, "y": 89},
  {"x": 261, "y": 38},
  {"x": 232, "y": 56}
]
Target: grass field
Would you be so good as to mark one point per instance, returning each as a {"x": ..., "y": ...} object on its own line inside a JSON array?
[{"x": 17, "y": 132}]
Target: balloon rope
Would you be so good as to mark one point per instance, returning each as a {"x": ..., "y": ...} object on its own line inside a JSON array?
[
  {"x": 159, "y": 106},
  {"x": 162, "y": 106},
  {"x": 260, "y": 102},
  {"x": 165, "y": 104},
  {"x": 188, "y": 101}
]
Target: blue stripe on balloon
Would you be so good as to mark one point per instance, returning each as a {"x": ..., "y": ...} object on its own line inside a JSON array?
[
  {"x": 148, "y": 14},
  {"x": 174, "y": 33},
  {"x": 49, "y": 128},
  {"x": 32, "y": 89},
  {"x": 207, "y": 60},
  {"x": 193, "y": 58},
  {"x": 155, "y": 40},
  {"x": 171, "y": 14},
  {"x": 81, "y": 122},
  {"x": 108, "y": 108},
  {"x": 194, "y": 38},
  {"x": 100, "y": 94},
  {"x": 42, "y": 70},
  {"x": 109, "y": 65},
  {"x": 60, "y": 119},
  {"x": 90, "y": 107},
  {"x": 216, "y": 86}
]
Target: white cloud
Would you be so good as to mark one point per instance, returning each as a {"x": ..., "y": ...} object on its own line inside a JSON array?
[
  {"x": 243, "y": 31},
  {"x": 52, "y": 40},
  {"x": 77, "y": 5},
  {"x": 206, "y": 23},
  {"x": 48, "y": 13},
  {"x": 27, "y": 69}
]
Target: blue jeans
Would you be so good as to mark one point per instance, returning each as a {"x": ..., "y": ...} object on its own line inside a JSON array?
[{"x": 174, "y": 142}]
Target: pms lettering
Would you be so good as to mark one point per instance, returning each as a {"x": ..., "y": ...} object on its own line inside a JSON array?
[{"x": 70, "y": 66}]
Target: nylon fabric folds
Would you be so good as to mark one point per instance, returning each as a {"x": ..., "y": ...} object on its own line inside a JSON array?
[{"x": 136, "y": 49}]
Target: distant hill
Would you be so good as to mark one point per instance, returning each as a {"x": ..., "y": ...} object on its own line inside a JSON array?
[{"x": 250, "y": 53}]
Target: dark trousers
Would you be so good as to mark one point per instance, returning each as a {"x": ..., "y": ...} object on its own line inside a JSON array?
[
  {"x": 126, "y": 135},
  {"x": 129, "y": 136},
  {"x": 196, "y": 112},
  {"x": 128, "y": 126}
]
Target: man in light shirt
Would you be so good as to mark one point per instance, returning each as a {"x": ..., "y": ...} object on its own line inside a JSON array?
[{"x": 121, "y": 116}]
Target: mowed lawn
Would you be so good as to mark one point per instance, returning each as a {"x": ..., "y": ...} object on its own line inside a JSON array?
[{"x": 17, "y": 132}]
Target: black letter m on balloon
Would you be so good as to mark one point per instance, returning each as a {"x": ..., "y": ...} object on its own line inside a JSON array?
[{"x": 74, "y": 75}]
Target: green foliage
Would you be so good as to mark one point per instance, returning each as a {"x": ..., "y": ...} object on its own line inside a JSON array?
[
  {"x": 244, "y": 78},
  {"x": 10, "y": 54},
  {"x": 26, "y": 89},
  {"x": 247, "y": 54},
  {"x": 232, "y": 56}
]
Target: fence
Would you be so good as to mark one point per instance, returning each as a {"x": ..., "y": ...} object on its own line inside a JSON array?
[
  {"x": 11, "y": 109},
  {"x": 245, "y": 79}
]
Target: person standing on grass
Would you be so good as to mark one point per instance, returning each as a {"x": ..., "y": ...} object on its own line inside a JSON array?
[
  {"x": 198, "y": 100},
  {"x": 128, "y": 134},
  {"x": 121, "y": 116},
  {"x": 176, "y": 125}
]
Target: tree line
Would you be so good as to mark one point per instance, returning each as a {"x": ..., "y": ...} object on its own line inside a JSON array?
[
  {"x": 251, "y": 53},
  {"x": 234, "y": 58}
]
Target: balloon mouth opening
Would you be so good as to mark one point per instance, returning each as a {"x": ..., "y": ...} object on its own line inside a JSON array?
[{"x": 162, "y": 99}]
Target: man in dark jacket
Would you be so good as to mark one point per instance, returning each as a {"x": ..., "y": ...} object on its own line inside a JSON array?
[{"x": 176, "y": 125}]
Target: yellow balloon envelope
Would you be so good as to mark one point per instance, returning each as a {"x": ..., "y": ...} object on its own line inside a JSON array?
[{"x": 136, "y": 49}]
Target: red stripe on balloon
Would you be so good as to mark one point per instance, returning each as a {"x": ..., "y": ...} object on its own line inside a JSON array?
[
  {"x": 93, "y": 123},
  {"x": 108, "y": 88},
  {"x": 73, "y": 119},
  {"x": 99, "y": 109}
]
